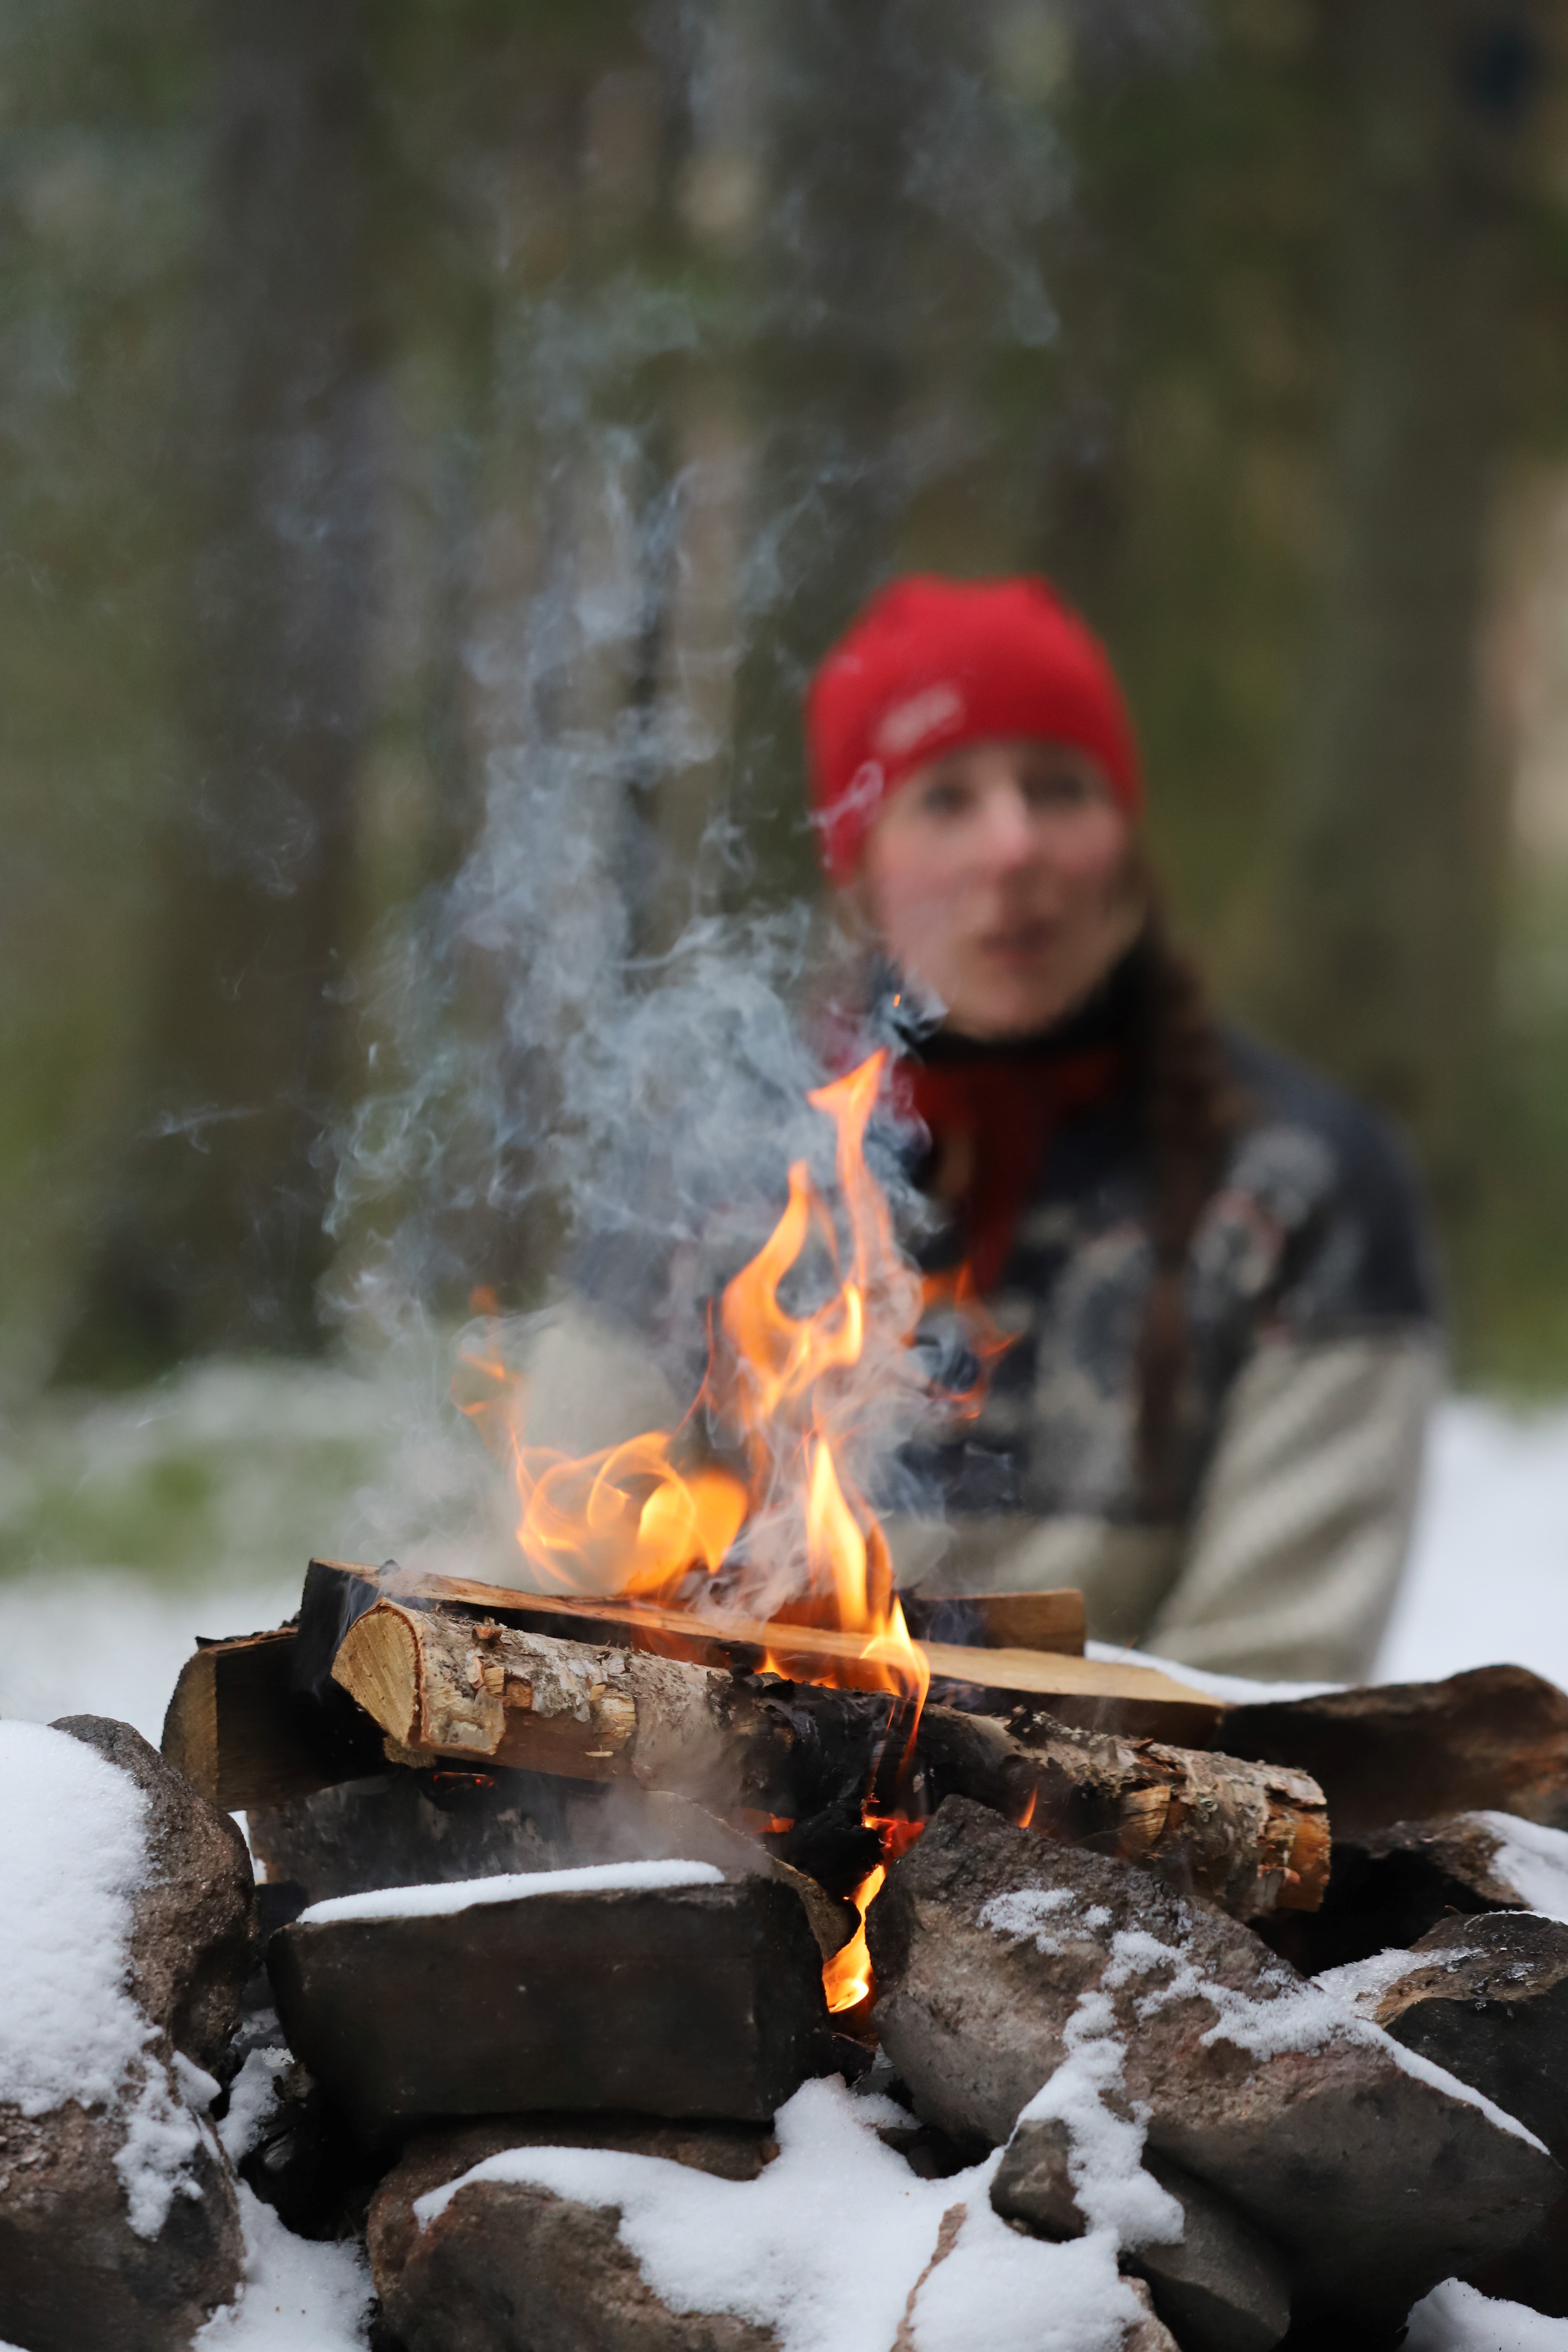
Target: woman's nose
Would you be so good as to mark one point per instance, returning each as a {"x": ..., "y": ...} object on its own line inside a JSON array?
[{"x": 1009, "y": 837}]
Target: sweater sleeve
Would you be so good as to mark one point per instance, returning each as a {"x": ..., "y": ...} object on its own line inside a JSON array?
[{"x": 1296, "y": 1547}]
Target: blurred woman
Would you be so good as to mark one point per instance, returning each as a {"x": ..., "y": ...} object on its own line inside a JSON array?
[{"x": 1210, "y": 1264}]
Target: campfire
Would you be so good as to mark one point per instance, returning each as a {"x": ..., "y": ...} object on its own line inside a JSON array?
[
  {"x": 751, "y": 1509},
  {"x": 687, "y": 1873}
]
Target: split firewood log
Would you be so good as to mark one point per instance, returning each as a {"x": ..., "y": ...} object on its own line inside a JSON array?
[
  {"x": 1252, "y": 1838},
  {"x": 443, "y": 1686}
]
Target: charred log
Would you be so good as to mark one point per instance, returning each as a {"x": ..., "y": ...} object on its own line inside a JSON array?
[{"x": 1251, "y": 1838}]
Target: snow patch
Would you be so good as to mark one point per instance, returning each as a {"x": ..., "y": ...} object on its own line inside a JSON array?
[
  {"x": 463, "y": 1893},
  {"x": 834, "y": 2243},
  {"x": 297, "y": 2295},
  {"x": 1534, "y": 1859},
  {"x": 73, "y": 1851},
  {"x": 1105, "y": 2160},
  {"x": 1292, "y": 2015},
  {"x": 1022, "y": 1913},
  {"x": 1360, "y": 1985},
  {"x": 1458, "y": 2318},
  {"x": 252, "y": 2101}
]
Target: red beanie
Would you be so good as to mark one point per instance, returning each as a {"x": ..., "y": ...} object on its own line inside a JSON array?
[{"x": 931, "y": 663}]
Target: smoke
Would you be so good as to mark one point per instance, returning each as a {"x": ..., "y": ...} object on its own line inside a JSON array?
[{"x": 587, "y": 1073}]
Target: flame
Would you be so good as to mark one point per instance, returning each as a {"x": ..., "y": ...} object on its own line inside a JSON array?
[
  {"x": 847, "y": 1977},
  {"x": 787, "y": 1393},
  {"x": 754, "y": 1495}
]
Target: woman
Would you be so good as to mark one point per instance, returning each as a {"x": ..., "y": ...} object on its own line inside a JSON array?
[{"x": 1211, "y": 1265}]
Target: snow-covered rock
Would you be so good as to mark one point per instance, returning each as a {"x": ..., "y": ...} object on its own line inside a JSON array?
[{"x": 124, "y": 1909}]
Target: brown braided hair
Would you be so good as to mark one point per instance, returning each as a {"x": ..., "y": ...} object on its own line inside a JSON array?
[{"x": 1189, "y": 1112}]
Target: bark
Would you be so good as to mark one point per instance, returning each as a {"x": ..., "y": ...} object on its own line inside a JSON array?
[
  {"x": 1381, "y": 951},
  {"x": 215, "y": 1238},
  {"x": 1252, "y": 1839}
]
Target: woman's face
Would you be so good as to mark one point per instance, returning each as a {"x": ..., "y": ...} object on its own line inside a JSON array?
[{"x": 999, "y": 878}]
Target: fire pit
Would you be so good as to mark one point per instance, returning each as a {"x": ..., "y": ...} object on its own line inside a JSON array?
[{"x": 638, "y": 1928}]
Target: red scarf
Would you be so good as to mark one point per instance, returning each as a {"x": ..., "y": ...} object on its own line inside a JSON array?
[{"x": 1001, "y": 1114}]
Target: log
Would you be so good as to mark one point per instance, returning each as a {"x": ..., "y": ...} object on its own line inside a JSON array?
[
  {"x": 441, "y": 1686},
  {"x": 1113, "y": 1692},
  {"x": 1031, "y": 1620},
  {"x": 231, "y": 1730},
  {"x": 1251, "y": 1838},
  {"x": 1248, "y": 1836}
]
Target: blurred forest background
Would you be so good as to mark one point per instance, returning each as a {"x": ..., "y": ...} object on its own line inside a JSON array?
[{"x": 387, "y": 390}]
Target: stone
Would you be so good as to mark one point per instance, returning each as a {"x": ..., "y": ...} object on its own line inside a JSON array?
[
  {"x": 1220, "y": 2285},
  {"x": 119, "y": 2222},
  {"x": 1487, "y": 1998},
  {"x": 405, "y": 1828},
  {"x": 702, "y": 1999},
  {"x": 73, "y": 2273},
  {"x": 194, "y": 1938},
  {"x": 1372, "y": 2181},
  {"x": 508, "y": 2268},
  {"x": 1388, "y": 1887},
  {"x": 1495, "y": 1738},
  {"x": 1151, "y": 2333}
]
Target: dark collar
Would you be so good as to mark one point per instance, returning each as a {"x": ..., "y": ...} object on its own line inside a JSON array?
[{"x": 1106, "y": 1016}]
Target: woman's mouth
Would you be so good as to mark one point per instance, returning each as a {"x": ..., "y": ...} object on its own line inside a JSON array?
[{"x": 1014, "y": 943}]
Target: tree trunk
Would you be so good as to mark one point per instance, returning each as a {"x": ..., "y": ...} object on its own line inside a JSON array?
[
  {"x": 1380, "y": 961},
  {"x": 830, "y": 380},
  {"x": 213, "y": 1238}
]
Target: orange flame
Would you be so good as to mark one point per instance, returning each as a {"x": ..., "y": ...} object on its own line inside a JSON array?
[
  {"x": 653, "y": 1520},
  {"x": 847, "y": 1977}
]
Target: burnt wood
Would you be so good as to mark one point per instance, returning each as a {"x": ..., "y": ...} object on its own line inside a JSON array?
[
  {"x": 683, "y": 2001},
  {"x": 1253, "y": 1839}
]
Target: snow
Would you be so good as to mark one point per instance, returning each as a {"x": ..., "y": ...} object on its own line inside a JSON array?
[
  {"x": 252, "y": 2098},
  {"x": 1534, "y": 1859},
  {"x": 297, "y": 2295},
  {"x": 72, "y": 1853},
  {"x": 1362, "y": 1984},
  {"x": 1105, "y": 2160},
  {"x": 463, "y": 1893},
  {"x": 1458, "y": 2318},
  {"x": 1489, "y": 1573},
  {"x": 832, "y": 2243}
]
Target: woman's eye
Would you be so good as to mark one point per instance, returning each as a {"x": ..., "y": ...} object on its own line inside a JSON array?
[
  {"x": 945, "y": 799},
  {"x": 1061, "y": 790}
]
